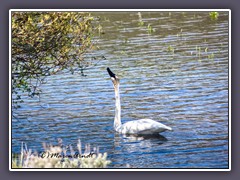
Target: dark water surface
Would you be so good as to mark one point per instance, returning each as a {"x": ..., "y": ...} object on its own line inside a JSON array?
[{"x": 177, "y": 75}]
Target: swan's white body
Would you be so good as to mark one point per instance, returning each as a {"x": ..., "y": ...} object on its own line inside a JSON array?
[{"x": 142, "y": 126}]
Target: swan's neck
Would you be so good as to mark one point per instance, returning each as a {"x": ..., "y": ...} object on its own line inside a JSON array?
[{"x": 117, "y": 119}]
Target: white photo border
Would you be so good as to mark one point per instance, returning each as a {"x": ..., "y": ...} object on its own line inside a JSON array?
[{"x": 120, "y": 10}]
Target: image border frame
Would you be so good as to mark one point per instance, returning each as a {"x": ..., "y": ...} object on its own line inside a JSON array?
[{"x": 123, "y": 169}]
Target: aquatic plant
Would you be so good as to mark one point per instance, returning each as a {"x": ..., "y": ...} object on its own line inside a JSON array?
[
  {"x": 140, "y": 21},
  {"x": 211, "y": 56},
  {"x": 100, "y": 30},
  {"x": 206, "y": 49},
  {"x": 198, "y": 51},
  {"x": 170, "y": 49},
  {"x": 214, "y": 15},
  {"x": 180, "y": 34},
  {"x": 61, "y": 157},
  {"x": 150, "y": 29}
]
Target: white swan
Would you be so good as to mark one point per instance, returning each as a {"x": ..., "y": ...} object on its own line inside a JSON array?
[{"x": 142, "y": 126}]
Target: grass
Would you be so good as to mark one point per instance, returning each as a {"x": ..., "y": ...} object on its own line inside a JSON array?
[{"x": 60, "y": 157}]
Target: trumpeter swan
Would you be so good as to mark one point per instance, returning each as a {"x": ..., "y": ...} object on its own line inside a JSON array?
[{"x": 142, "y": 126}]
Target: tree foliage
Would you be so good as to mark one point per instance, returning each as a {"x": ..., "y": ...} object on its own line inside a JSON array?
[{"x": 44, "y": 43}]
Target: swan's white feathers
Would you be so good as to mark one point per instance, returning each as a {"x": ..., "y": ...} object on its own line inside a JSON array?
[{"x": 142, "y": 126}]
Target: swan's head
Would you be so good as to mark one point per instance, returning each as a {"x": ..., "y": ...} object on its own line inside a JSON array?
[{"x": 114, "y": 78}]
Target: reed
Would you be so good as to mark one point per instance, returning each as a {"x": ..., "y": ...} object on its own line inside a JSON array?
[{"x": 60, "y": 156}]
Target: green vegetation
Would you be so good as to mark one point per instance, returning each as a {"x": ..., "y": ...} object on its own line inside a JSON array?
[
  {"x": 150, "y": 29},
  {"x": 198, "y": 49},
  {"x": 140, "y": 21},
  {"x": 180, "y": 34},
  {"x": 59, "y": 157},
  {"x": 45, "y": 43},
  {"x": 211, "y": 56},
  {"x": 170, "y": 49},
  {"x": 100, "y": 30},
  {"x": 214, "y": 15}
]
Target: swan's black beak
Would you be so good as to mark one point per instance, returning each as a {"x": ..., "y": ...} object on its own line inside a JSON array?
[{"x": 111, "y": 74}]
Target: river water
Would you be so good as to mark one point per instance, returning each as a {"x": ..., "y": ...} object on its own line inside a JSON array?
[{"x": 173, "y": 68}]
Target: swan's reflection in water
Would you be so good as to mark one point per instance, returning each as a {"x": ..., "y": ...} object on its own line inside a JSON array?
[
  {"x": 136, "y": 148},
  {"x": 135, "y": 137},
  {"x": 132, "y": 143}
]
